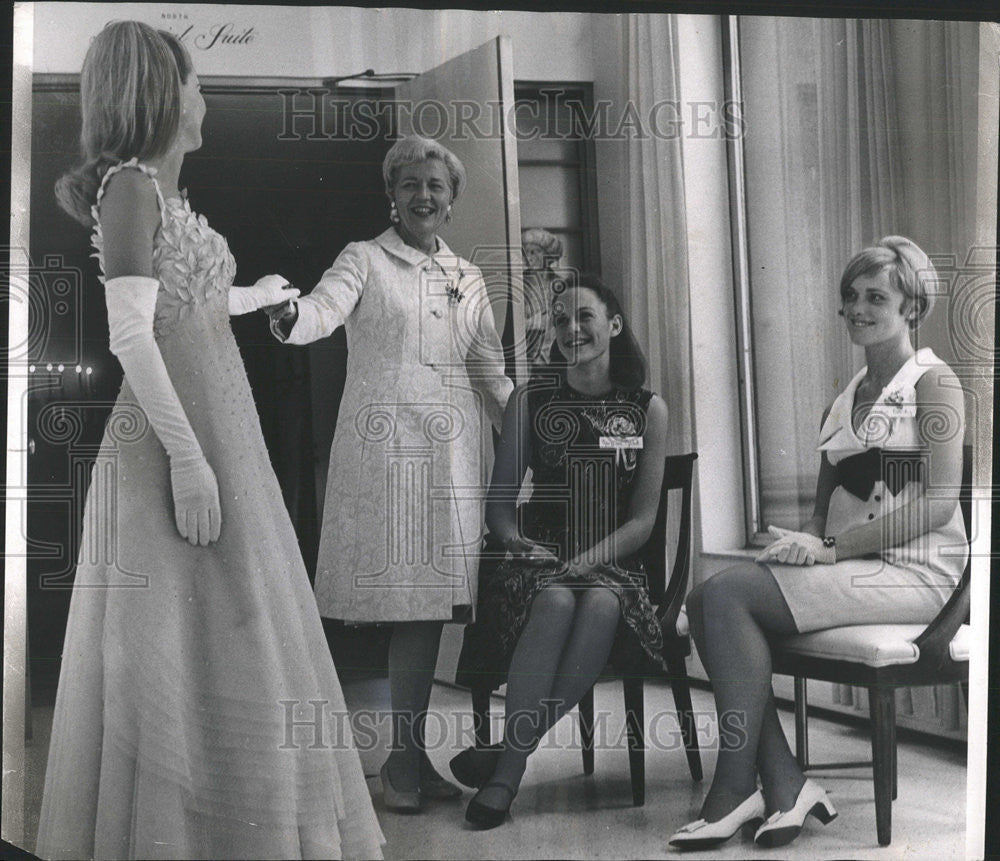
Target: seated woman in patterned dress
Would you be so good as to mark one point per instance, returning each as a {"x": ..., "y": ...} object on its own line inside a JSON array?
[
  {"x": 880, "y": 547},
  {"x": 571, "y": 579}
]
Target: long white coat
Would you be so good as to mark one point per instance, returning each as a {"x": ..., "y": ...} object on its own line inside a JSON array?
[{"x": 409, "y": 466}]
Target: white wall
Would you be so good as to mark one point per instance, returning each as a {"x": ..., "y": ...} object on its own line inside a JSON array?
[
  {"x": 283, "y": 41},
  {"x": 718, "y": 510},
  {"x": 719, "y": 514}
]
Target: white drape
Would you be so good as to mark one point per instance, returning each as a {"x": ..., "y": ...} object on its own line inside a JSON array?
[
  {"x": 642, "y": 201},
  {"x": 823, "y": 181}
]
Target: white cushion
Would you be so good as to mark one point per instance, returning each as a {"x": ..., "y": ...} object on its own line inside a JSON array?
[{"x": 872, "y": 645}]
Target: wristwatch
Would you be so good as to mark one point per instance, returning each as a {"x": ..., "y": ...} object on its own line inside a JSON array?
[{"x": 830, "y": 541}]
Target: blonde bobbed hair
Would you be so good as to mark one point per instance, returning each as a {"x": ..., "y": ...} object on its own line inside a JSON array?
[
  {"x": 910, "y": 271},
  {"x": 414, "y": 149}
]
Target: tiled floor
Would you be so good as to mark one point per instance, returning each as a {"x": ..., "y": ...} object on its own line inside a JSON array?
[{"x": 560, "y": 813}]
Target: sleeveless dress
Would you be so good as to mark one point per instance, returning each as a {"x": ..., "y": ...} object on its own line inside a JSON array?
[
  {"x": 879, "y": 468},
  {"x": 198, "y": 713},
  {"x": 583, "y": 472}
]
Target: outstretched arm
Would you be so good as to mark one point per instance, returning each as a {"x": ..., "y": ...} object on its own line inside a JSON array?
[
  {"x": 330, "y": 303},
  {"x": 269, "y": 291},
  {"x": 635, "y": 531}
]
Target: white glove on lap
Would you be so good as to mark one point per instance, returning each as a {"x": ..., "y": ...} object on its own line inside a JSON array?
[
  {"x": 131, "y": 302},
  {"x": 269, "y": 290},
  {"x": 796, "y": 548}
]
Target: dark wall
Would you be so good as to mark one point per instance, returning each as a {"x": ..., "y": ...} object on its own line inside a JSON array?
[{"x": 285, "y": 206}]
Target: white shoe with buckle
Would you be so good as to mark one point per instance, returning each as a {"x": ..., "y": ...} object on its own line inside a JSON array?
[
  {"x": 704, "y": 835},
  {"x": 783, "y": 826}
]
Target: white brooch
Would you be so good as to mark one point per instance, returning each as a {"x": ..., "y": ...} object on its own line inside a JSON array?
[{"x": 901, "y": 402}]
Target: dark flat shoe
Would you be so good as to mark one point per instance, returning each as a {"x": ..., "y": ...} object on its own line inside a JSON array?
[
  {"x": 396, "y": 800},
  {"x": 489, "y": 817},
  {"x": 435, "y": 787},
  {"x": 475, "y": 765}
]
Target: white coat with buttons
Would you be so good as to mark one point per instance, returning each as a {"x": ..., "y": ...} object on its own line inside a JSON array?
[{"x": 409, "y": 466}]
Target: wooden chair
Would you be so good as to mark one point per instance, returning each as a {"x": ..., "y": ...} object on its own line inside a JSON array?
[
  {"x": 882, "y": 658},
  {"x": 667, "y": 597}
]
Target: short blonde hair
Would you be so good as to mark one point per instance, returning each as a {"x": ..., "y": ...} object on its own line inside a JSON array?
[
  {"x": 413, "y": 149},
  {"x": 910, "y": 271},
  {"x": 130, "y": 100}
]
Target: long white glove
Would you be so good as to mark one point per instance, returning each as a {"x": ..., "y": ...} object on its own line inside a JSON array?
[
  {"x": 269, "y": 290},
  {"x": 131, "y": 302}
]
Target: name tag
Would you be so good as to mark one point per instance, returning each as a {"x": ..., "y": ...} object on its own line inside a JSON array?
[{"x": 621, "y": 442}]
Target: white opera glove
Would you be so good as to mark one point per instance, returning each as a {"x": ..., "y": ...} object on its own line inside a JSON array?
[
  {"x": 268, "y": 291},
  {"x": 131, "y": 302},
  {"x": 796, "y": 548}
]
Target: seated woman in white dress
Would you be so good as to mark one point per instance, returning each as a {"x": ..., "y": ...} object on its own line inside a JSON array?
[{"x": 880, "y": 547}]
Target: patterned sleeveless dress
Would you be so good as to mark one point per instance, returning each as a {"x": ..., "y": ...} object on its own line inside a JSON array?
[
  {"x": 198, "y": 713},
  {"x": 581, "y": 489}
]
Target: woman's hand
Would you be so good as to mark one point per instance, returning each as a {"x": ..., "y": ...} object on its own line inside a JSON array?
[
  {"x": 528, "y": 551},
  {"x": 796, "y": 548},
  {"x": 269, "y": 291},
  {"x": 283, "y": 319},
  {"x": 196, "y": 499},
  {"x": 583, "y": 571}
]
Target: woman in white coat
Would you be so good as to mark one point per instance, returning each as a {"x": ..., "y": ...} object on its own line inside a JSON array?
[{"x": 402, "y": 523}]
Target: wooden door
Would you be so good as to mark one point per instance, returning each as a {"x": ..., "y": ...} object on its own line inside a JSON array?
[{"x": 464, "y": 103}]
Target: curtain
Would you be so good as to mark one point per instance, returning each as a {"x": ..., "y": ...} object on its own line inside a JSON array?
[
  {"x": 655, "y": 263},
  {"x": 855, "y": 129},
  {"x": 644, "y": 231},
  {"x": 823, "y": 181}
]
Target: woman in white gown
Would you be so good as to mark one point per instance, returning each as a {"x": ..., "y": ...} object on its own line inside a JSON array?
[{"x": 198, "y": 713}]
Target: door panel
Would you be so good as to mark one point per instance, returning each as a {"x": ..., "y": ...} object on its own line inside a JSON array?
[{"x": 486, "y": 221}]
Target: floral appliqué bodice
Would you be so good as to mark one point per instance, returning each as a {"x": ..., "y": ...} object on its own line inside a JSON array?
[{"x": 191, "y": 261}]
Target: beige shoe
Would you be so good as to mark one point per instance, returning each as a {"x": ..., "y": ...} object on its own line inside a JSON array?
[
  {"x": 704, "y": 835},
  {"x": 783, "y": 826}
]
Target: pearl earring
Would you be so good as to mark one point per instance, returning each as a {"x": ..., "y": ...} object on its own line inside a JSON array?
[
  {"x": 447, "y": 215},
  {"x": 393, "y": 213}
]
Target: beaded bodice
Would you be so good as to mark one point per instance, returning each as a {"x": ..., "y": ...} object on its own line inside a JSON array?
[{"x": 191, "y": 261}]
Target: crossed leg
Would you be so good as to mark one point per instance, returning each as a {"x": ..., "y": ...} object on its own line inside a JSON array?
[
  {"x": 731, "y": 616},
  {"x": 562, "y": 650}
]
